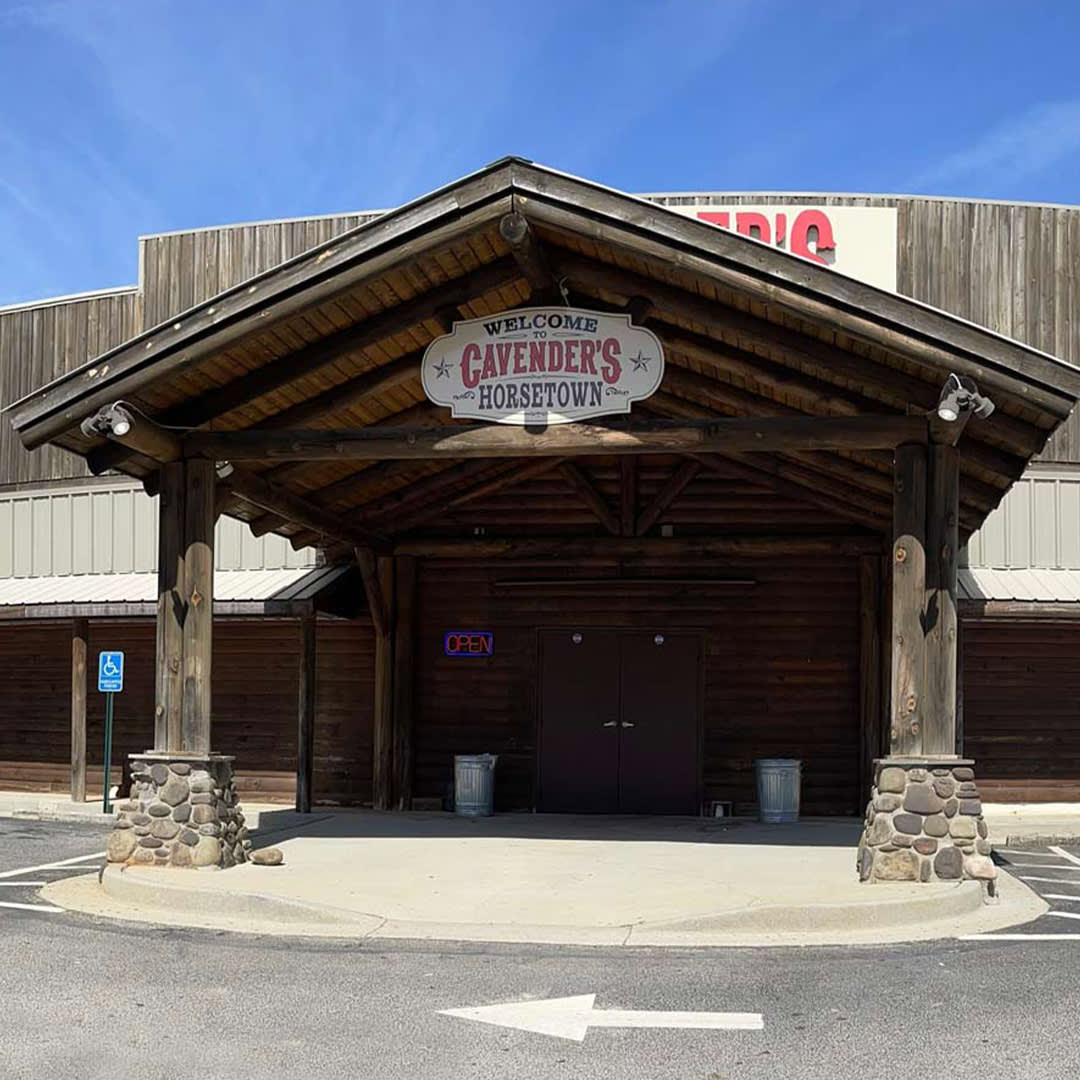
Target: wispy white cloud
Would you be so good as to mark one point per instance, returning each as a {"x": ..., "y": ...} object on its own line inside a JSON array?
[{"x": 1024, "y": 146}]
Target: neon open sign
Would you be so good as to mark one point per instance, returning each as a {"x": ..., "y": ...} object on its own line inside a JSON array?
[{"x": 475, "y": 643}]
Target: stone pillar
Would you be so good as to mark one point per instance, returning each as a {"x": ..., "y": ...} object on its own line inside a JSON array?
[
  {"x": 182, "y": 813},
  {"x": 924, "y": 823}
]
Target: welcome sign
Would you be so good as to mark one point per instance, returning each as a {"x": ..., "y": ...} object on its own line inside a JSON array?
[{"x": 542, "y": 365}]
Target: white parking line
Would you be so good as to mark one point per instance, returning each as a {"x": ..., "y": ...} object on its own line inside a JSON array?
[
  {"x": 1065, "y": 914},
  {"x": 51, "y": 865},
  {"x": 31, "y": 907},
  {"x": 1059, "y": 896},
  {"x": 1052, "y": 880},
  {"x": 1063, "y": 854},
  {"x": 1018, "y": 851},
  {"x": 21, "y": 884},
  {"x": 1020, "y": 937},
  {"x": 1041, "y": 866}
]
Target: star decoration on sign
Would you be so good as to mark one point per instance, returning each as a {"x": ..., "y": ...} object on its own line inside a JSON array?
[
  {"x": 641, "y": 363},
  {"x": 442, "y": 369}
]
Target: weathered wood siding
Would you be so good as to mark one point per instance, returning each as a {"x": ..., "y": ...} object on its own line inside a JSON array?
[
  {"x": 256, "y": 670},
  {"x": 1022, "y": 709},
  {"x": 40, "y": 343},
  {"x": 780, "y": 678},
  {"x": 182, "y": 269},
  {"x": 1011, "y": 267}
]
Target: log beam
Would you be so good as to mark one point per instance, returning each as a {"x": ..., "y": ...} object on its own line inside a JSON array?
[
  {"x": 668, "y": 493},
  {"x": 171, "y": 608},
  {"x": 79, "y": 635},
  {"x": 726, "y": 435},
  {"x": 939, "y": 732},
  {"x": 199, "y": 602},
  {"x": 568, "y": 548},
  {"x": 305, "y": 714},
  {"x": 515, "y": 229},
  {"x": 382, "y": 780},
  {"x": 586, "y": 491},
  {"x": 378, "y": 607},
  {"x": 303, "y": 362},
  {"x": 627, "y": 496},
  {"x": 908, "y": 710},
  {"x": 404, "y": 679}
]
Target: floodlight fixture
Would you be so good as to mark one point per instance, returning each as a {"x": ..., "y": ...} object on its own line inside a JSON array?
[{"x": 960, "y": 395}]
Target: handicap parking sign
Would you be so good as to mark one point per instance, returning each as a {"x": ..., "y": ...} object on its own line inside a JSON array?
[{"x": 110, "y": 672}]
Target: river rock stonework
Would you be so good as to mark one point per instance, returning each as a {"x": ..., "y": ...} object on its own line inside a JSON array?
[
  {"x": 924, "y": 822},
  {"x": 182, "y": 813}
]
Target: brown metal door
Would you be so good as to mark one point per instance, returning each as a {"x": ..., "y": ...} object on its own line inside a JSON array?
[
  {"x": 658, "y": 724},
  {"x": 579, "y": 721}
]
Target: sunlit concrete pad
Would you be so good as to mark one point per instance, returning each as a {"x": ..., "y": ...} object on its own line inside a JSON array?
[{"x": 556, "y": 879}]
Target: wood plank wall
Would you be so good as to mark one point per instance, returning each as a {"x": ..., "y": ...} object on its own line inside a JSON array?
[
  {"x": 781, "y": 667},
  {"x": 37, "y": 345},
  {"x": 256, "y": 665},
  {"x": 181, "y": 270},
  {"x": 1022, "y": 709}
]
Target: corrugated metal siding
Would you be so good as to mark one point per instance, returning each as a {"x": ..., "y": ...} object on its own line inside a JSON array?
[
  {"x": 1036, "y": 525},
  {"x": 50, "y": 532}
]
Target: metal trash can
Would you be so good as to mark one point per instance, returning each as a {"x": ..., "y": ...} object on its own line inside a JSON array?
[
  {"x": 779, "y": 781},
  {"x": 474, "y": 784}
]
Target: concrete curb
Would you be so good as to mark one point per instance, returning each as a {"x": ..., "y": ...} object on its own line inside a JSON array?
[
  {"x": 56, "y": 814},
  {"x": 948, "y": 902},
  {"x": 144, "y": 890},
  {"x": 141, "y": 895}
]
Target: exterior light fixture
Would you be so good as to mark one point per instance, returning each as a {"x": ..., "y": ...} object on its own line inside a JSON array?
[
  {"x": 223, "y": 469},
  {"x": 960, "y": 395},
  {"x": 111, "y": 421}
]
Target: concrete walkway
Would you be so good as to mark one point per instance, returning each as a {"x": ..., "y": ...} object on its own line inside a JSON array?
[{"x": 553, "y": 879}]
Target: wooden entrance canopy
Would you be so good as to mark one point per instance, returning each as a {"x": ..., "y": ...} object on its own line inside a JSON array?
[{"x": 293, "y": 402}]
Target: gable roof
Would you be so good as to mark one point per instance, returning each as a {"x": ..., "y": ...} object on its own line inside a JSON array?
[{"x": 335, "y": 334}]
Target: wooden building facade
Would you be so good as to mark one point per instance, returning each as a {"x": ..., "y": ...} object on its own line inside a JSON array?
[{"x": 727, "y": 602}]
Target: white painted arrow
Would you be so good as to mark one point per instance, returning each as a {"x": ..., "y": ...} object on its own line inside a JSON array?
[{"x": 571, "y": 1017}]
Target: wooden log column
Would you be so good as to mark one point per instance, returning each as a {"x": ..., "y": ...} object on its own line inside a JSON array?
[
  {"x": 305, "y": 736},
  {"x": 171, "y": 605},
  {"x": 79, "y": 632},
  {"x": 943, "y": 538},
  {"x": 404, "y": 678},
  {"x": 382, "y": 785},
  {"x": 906, "y": 713},
  {"x": 199, "y": 616}
]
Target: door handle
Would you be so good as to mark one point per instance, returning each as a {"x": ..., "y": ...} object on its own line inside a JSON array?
[
  {"x": 609, "y": 723},
  {"x": 627, "y": 723}
]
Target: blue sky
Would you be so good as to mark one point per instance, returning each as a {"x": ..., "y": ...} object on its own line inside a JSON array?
[{"x": 121, "y": 117}]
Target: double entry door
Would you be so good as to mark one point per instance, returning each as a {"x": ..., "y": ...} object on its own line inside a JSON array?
[{"x": 619, "y": 722}]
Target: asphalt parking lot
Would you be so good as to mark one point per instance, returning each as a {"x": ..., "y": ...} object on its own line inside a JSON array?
[{"x": 89, "y": 998}]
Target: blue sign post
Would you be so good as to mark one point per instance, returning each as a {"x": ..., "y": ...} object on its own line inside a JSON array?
[{"x": 110, "y": 681}]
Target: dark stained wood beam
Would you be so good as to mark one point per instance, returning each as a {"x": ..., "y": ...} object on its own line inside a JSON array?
[
  {"x": 309, "y": 359},
  {"x": 627, "y": 496},
  {"x": 79, "y": 635},
  {"x": 508, "y": 478},
  {"x": 739, "y": 435},
  {"x": 586, "y": 491},
  {"x": 668, "y": 493},
  {"x": 382, "y": 751},
  {"x": 791, "y": 348},
  {"x": 305, "y": 735},
  {"x": 404, "y": 679},
  {"x": 529, "y": 256},
  {"x": 378, "y": 607},
  {"x": 578, "y": 547}
]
